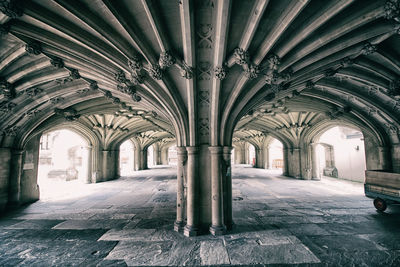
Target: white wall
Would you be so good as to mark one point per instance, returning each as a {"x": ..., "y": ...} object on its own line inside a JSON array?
[{"x": 349, "y": 161}]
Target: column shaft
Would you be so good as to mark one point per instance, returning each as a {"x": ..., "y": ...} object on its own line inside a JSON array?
[
  {"x": 227, "y": 187},
  {"x": 15, "y": 181},
  {"x": 217, "y": 216},
  {"x": 180, "y": 192},
  {"x": 191, "y": 228}
]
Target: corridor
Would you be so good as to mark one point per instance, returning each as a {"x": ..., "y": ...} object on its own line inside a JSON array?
[{"x": 129, "y": 221}]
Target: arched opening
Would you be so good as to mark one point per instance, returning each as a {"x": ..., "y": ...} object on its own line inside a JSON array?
[
  {"x": 150, "y": 156},
  {"x": 251, "y": 159},
  {"x": 126, "y": 158},
  {"x": 340, "y": 153},
  {"x": 172, "y": 156},
  {"x": 275, "y": 156},
  {"x": 63, "y": 162}
]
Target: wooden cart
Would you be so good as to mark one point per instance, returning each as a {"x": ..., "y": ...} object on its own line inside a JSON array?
[{"x": 383, "y": 187}]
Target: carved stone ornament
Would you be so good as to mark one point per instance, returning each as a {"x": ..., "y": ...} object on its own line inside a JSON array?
[
  {"x": 57, "y": 62},
  {"x": 392, "y": 10},
  {"x": 7, "y": 107},
  {"x": 136, "y": 97},
  {"x": 7, "y": 89},
  {"x": 74, "y": 74},
  {"x": 346, "y": 62},
  {"x": 155, "y": 72},
  {"x": 274, "y": 61},
  {"x": 34, "y": 91},
  {"x": 33, "y": 48},
  {"x": 11, "y": 8},
  {"x": 93, "y": 85},
  {"x": 11, "y": 130},
  {"x": 269, "y": 97},
  {"x": 120, "y": 76},
  {"x": 4, "y": 29},
  {"x": 394, "y": 88},
  {"x": 32, "y": 113},
  {"x": 135, "y": 64},
  {"x": 136, "y": 78},
  {"x": 107, "y": 94},
  {"x": 368, "y": 49},
  {"x": 252, "y": 72},
  {"x": 166, "y": 60},
  {"x": 56, "y": 100},
  {"x": 310, "y": 85},
  {"x": 270, "y": 78},
  {"x": 126, "y": 89},
  {"x": 220, "y": 73},
  {"x": 187, "y": 72},
  {"x": 69, "y": 114},
  {"x": 330, "y": 72},
  {"x": 241, "y": 56}
]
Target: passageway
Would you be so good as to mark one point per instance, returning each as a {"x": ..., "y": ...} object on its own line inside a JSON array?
[{"x": 129, "y": 221}]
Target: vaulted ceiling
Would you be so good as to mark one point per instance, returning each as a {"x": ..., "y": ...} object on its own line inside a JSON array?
[{"x": 281, "y": 64}]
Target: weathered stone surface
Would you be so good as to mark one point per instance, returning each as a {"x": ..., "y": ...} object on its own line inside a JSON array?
[
  {"x": 91, "y": 224},
  {"x": 129, "y": 234},
  {"x": 213, "y": 252}
]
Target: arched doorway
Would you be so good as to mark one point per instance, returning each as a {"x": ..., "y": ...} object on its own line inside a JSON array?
[
  {"x": 275, "y": 156},
  {"x": 172, "y": 156},
  {"x": 126, "y": 158},
  {"x": 63, "y": 162},
  {"x": 340, "y": 153},
  {"x": 251, "y": 158},
  {"x": 150, "y": 157}
]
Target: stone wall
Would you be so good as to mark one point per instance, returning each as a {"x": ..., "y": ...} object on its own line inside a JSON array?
[
  {"x": 5, "y": 157},
  {"x": 29, "y": 186}
]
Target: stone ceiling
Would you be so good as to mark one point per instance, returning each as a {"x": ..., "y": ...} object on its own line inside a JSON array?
[{"x": 216, "y": 66}]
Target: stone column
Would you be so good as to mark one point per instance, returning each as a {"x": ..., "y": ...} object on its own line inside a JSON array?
[
  {"x": 180, "y": 191},
  {"x": 191, "y": 228},
  {"x": 314, "y": 162},
  {"x": 217, "y": 216},
  {"x": 143, "y": 159},
  {"x": 384, "y": 162},
  {"x": 137, "y": 159},
  {"x": 227, "y": 187},
  {"x": 259, "y": 158},
  {"x": 88, "y": 154},
  {"x": 104, "y": 165},
  {"x": 285, "y": 162},
  {"x": 14, "y": 189},
  {"x": 164, "y": 156},
  {"x": 266, "y": 158}
]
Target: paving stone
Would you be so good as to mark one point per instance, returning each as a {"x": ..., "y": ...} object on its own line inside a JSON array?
[
  {"x": 128, "y": 234},
  {"x": 213, "y": 252},
  {"x": 34, "y": 224},
  {"x": 91, "y": 224},
  {"x": 250, "y": 252}
]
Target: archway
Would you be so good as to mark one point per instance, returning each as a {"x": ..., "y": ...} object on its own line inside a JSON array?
[
  {"x": 126, "y": 158},
  {"x": 275, "y": 156},
  {"x": 150, "y": 157},
  {"x": 63, "y": 162},
  {"x": 251, "y": 158},
  {"x": 340, "y": 153}
]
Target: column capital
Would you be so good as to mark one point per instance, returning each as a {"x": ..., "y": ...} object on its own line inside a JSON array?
[
  {"x": 227, "y": 149},
  {"x": 181, "y": 150},
  {"x": 215, "y": 149},
  {"x": 192, "y": 149}
]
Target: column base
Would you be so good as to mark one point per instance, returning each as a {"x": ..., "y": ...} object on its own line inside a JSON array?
[
  {"x": 229, "y": 226},
  {"x": 217, "y": 230},
  {"x": 178, "y": 226},
  {"x": 316, "y": 179},
  {"x": 190, "y": 231}
]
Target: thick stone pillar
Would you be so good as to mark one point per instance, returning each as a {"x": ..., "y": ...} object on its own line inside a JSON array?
[
  {"x": 180, "y": 191},
  {"x": 88, "y": 153},
  {"x": 164, "y": 156},
  {"x": 191, "y": 228},
  {"x": 259, "y": 158},
  {"x": 384, "y": 158},
  {"x": 156, "y": 155},
  {"x": 285, "y": 162},
  {"x": 396, "y": 158},
  {"x": 314, "y": 163},
  {"x": 137, "y": 159},
  {"x": 227, "y": 187},
  {"x": 266, "y": 158},
  {"x": 5, "y": 160},
  {"x": 143, "y": 159},
  {"x": 15, "y": 178},
  {"x": 217, "y": 215}
]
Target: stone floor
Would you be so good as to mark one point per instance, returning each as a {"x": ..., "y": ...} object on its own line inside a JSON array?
[{"x": 129, "y": 222}]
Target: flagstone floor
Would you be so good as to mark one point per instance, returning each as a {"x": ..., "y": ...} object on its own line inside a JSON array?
[{"x": 129, "y": 221}]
